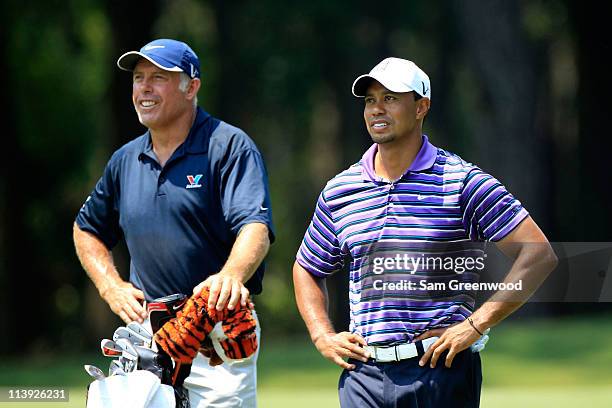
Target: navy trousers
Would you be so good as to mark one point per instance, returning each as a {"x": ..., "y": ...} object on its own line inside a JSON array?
[{"x": 404, "y": 384}]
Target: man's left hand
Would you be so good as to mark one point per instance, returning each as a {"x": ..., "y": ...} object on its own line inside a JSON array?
[
  {"x": 454, "y": 338},
  {"x": 225, "y": 291}
]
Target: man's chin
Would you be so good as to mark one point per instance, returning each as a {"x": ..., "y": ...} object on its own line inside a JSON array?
[
  {"x": 382, "y": 139},
  {"x": 145, "y": 119}
]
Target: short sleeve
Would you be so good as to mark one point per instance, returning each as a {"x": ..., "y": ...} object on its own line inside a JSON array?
[
  {"x": 320, "y": 252},
  {"x": 245, "y": 196},
  {"x": 99, "y": 214},
  {"x": 490, "y": 212}
]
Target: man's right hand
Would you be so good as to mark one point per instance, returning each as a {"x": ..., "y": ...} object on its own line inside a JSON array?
[
  {"x": 338, "y": 346},
  {"x": 125, "y": 301}
]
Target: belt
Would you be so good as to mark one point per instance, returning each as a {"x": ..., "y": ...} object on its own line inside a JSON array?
[{"x": 399, "y": 352}]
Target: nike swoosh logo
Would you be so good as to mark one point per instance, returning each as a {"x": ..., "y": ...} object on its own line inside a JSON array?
[
  {"x": 151, "y": 47},
  {"x": 262, "y": 208}
]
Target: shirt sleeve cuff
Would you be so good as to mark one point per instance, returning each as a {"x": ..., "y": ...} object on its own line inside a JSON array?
[{"x": 255, "y": 220}]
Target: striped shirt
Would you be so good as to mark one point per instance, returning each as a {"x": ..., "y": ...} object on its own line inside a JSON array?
[{"x": 441, "y": 199}]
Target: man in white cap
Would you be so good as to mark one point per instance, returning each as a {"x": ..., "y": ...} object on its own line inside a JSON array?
[
  {"x": 405, "y": 346},
  {"x": 191, "y": 199}
]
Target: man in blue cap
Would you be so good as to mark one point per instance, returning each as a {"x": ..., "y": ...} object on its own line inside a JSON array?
[{"x": 191, "y": 199}]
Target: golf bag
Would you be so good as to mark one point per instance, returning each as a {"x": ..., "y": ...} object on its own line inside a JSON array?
[
  {"x": 180, "y": 328},
  {"x": 142, "y": 376}
]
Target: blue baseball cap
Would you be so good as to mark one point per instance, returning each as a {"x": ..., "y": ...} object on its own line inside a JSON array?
[{"x": 169, "y": 55}]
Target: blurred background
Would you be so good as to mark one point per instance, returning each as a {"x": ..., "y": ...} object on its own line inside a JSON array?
[{"x": 519, "y": 87}]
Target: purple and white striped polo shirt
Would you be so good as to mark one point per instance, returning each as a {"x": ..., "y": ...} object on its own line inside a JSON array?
[{"x": 440, "y": 198}]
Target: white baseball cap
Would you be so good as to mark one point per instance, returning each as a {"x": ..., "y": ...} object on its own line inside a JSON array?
[{"x": 397, "y": 75}]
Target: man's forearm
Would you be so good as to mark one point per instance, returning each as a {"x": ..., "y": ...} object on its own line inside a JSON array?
[
  {"x": 532, "y": 265},
  {"x": 96, "y": 259},
  {"x": 312, "y": 302},
  {"x": 122, "y": 297},
  {"x": 248, "y": 252}
]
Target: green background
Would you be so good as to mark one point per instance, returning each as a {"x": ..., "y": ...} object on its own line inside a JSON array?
[
  {"x": 561, "y": 363},
  {"x": 520, "y": 88}
]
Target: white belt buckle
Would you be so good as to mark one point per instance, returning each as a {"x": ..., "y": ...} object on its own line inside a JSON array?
[
  {"x": 386, "y": 354},
  {"x": 399, "y": 352},
  {"x": 406, "y": 351},
  {"x": 427, "y": 343}
]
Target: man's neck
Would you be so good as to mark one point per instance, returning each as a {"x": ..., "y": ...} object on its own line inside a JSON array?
[
  {"x": 166, "y": 140},
  {"x": 394, "y": 158}
]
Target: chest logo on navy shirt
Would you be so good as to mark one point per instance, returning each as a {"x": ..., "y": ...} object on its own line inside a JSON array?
[{"x": 194, "y": 181}]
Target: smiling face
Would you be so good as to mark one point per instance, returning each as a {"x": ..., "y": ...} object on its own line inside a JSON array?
[
  {"x": 392, "y": 116},
  {"x": 157, "y": 98}
]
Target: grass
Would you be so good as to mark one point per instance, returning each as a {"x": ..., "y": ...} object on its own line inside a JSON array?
[
  {"x": 506, "y": 397},
  {"x": 560, "y": 363}
]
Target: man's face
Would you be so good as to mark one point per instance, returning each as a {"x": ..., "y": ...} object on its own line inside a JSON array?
[
  {"x": 391, "y": 116},
  {"x": 156, "y": 96}
]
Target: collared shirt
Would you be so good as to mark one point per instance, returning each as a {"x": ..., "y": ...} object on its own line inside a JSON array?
[
  {"x": 180, "y": 221},
  {"x": 440, "y": 198}
]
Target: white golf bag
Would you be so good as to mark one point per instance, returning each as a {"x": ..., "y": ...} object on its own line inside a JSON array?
[{"x": 138, "y": 389}]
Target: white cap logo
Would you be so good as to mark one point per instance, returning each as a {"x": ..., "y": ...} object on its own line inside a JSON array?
[{"x": 152, "y": 47}]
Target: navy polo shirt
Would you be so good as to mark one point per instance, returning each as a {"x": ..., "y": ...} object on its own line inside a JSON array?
[{"x": 180, "y": 221}]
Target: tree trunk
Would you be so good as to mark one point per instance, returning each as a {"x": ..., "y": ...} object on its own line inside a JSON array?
[
  {"x": 128, "y": 34},
  {"x": 593, "y": 192},
  {"x": 510, "y": 141},
  {"x": 11, "y": 209}
]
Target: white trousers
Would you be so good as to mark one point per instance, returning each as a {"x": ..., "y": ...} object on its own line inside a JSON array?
[{"x": 228, "y": 385}]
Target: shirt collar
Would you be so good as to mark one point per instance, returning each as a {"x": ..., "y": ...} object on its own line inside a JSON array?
[
  {"x": 203, "y": 126},
  {"x": 196, "y": 142},
  {"x": 424, "y": 159}
]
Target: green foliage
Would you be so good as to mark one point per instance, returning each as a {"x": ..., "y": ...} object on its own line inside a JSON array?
[{"x": 282, "y": 71}]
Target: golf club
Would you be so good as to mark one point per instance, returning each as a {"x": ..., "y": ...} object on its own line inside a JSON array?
[
  {"x": 115, "y": 368},
  {"x": 132, "y": 336},
  {"x": 110, "y": 348},
  {"x": 140, "y": 329},
  {"x": 94, "y": 371},
  {"x": 129, "y": 355}
]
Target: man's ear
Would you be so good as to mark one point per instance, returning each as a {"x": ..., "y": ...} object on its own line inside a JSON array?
[
  {"x": 423, "y": 105},
  {"x": 193, "y": 88}
]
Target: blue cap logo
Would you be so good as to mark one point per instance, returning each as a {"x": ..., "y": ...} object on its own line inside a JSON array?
[{"x": 169, "y": 55}]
